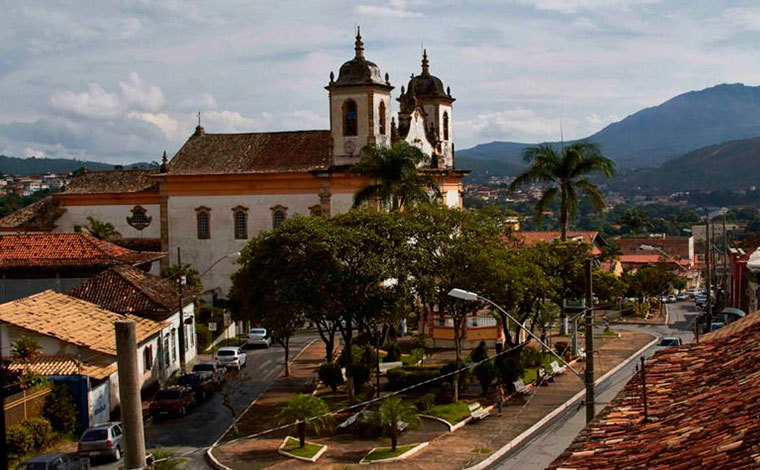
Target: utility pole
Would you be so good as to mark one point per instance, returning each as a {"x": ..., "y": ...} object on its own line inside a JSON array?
[
  {"x": 644, "y": 388},
  {"x": 726, "y": 274},
  {"x": 129, "y": 395},
  {"x": 590, "y": 408},
  {"x": 3, "y": 392},
  {"x": 708, "y": 279},
  {"x": 180, "y": 281}
]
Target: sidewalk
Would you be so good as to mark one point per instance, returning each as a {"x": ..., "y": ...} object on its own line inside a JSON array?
[{"x": 446, "y": 450}]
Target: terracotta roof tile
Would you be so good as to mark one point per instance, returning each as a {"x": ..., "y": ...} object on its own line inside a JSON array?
[
  {"x": 63, "y": 365},
  {"x": 265, "y": 152},
  {"x": 702, "y": 403},
  {"x": 117, "y": 181},
  {"x": 125, "y": 289},
  {"x": 531, "y": 237},
  {"x": 40, "y": 215},
  {"x": 72, "y": 320},
  {"x": 42, "y": 250}
]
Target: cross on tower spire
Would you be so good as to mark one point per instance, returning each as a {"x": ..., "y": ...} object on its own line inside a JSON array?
[
  {"x": 425, "y": 63},
  {"x": 359, "y": 45}
]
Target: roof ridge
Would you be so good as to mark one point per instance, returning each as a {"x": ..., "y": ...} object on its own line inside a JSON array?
[
  {"x": 132, "y": 282},
  {"x": 265, "y": 132}
]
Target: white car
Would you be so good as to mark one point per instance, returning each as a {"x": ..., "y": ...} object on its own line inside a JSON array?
[
  {"x": 231, "y": 357},
  {"x": 258, "y": 336}
]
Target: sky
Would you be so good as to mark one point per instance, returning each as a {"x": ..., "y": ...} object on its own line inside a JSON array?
[{"x": 123, "y": 81}]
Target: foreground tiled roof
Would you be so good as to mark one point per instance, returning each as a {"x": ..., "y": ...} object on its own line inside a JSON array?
[
  {"x": 117, "y": 181},
  {"x": 72, "y": 320},
  {"x": 125, "y": 289},
  {"x": 40, "y": 215},
  {"x": 62, "y": 365},
  {"x": 702, "y": 400},
  {"x": 750, "y": 321},
  {"x": 73, "y": 250},
  {"x": 265, "y": 152}
]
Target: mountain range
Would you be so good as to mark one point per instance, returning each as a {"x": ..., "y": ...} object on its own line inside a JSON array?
[
  {"x": 652, "y": 136},
  {"x": 36, "y": 165}
]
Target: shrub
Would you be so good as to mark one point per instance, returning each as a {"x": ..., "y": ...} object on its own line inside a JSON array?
[
  {"x": 480, "y": 352},
  {"x": 531, "y": 357},
  {"x": 360, "y": 373},
  {"x": 394, "y": 353},
  {"x": 510, "y": 369},
  {"x": 560, "y": 347},
  {"x": 19, "y": 440},
  {"x": 368, "y": 356},
  {"x": 61, "y": 410},
  {"x": 464, "y": 375},
  {"x": 356, "y": 355},
  {"x": 399, "y": 378},
  {"x": 486, "y": 373},
  {"x": 41, "y": 431},
  {"x": 415, "y": 356},
  {"x": 425, "y": 402},
  {"x": 331, "y": 375},
  {"x": 203, "y": 336}
]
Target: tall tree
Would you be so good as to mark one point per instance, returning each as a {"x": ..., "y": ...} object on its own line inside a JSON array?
[
  {"x": 392, "y": 412},
  {"x": 564, "y": 175},
  {"x": 636, "y": 220},
  {"x": 395, "y": 178},
  {"x": 305, "y": 410},
  {"x": 98, "y": 229}
]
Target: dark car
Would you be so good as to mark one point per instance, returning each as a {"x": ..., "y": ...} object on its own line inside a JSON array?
[
  {"x": 201, "y": 382},
  {"x": 103, "y": 440},
  {"x": 218, "y": 371},
  {"x": 172, "y": 400},
  {"x": 54, "y": 461}
]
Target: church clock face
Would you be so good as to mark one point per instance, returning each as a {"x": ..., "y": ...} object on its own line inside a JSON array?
[{"x": 349, "y": 146}]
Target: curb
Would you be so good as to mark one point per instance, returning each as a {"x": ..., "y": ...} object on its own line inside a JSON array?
[
  {"x": 209, "y": 454},
  {"x": 533, "y": 429},
  {"x": 303, "y": 459},
  {"x": 403, "y": 456}
]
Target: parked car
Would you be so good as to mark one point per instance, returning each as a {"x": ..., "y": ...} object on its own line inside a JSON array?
[
  {"x": 172, "y": 400},
  {"x": 103, "y": 440},
  {"x": 54, "y": 461},
  {"x": 682, "y": 296},
  {"x": 202, "y": 383},
  {"x": 671, "y": 298},
  {"x": 669, "y": 341},
  {"x": 717, "y": 325},
  {"x": 217, "y": 370},
  {"x": 700, "y": 300},
  {"x": 258, "y": 337},
  {"x": 232, "y": 357}
]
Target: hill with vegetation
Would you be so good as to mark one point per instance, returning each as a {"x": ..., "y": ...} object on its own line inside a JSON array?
[{"x": 35, "y": 165}]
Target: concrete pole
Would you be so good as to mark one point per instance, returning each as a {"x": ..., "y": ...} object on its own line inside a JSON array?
[
  {"x": 708, "y": 278},
  {"x": 590, "y": 408},
  {"x": 3, "y": 389},
  {"x": 181, "y": 313},
  {"x": 129, "y": 395}
]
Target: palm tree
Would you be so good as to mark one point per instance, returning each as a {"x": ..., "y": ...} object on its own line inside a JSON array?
[
  {"x": 26, "y": 348},
  {"x": 305, "y": 410},
  {"x": 98, "y": 229},
  {"x": 566, "y": 175},
  {"x": 393, "y": 411},
  {"x": 395, "y": 178},
  {"x": 635, "y": 220}
]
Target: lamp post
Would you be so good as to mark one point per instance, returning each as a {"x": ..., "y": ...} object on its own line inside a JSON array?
[{"x": 663, "y": 253}]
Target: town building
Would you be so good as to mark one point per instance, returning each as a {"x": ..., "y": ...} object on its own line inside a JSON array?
[
  {"x": 219, "y": 190},
  {"x": 679, "y": 248}
]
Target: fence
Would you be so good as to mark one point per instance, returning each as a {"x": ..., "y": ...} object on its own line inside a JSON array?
[{"x": 24, "y": 405}]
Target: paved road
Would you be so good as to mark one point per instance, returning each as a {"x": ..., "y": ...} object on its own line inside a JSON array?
[
  {"x": 540, "y": 451},
  {"x": 206, "y": 422}
]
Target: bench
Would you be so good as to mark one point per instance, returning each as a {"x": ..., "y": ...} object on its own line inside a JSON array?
[
  {"x": 520, "y": 387},
  {"x": 350, "y": 421},
  {"x": 477, "y": 412},
  {"x": 556, "y": 369},
  {"x": 386, "y": 366}
]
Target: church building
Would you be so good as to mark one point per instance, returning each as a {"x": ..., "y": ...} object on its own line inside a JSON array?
[{"x": 220, "y": 190}]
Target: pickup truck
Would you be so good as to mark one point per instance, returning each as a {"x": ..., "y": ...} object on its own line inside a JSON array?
[
  {"x": 217, "y": 370},
  {"x": 201, "y": 382},
  {"x": 172, "y": 400}
]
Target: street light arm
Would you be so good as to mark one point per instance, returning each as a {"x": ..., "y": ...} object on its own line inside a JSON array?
[
  {"x": 666, "y": 255},
  {"x": 228, "y": 255}
]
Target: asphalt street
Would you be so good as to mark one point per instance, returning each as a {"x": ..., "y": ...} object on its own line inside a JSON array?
[
  {"x": 190, "y": 435},
  {"x": 543, "y": 448}
]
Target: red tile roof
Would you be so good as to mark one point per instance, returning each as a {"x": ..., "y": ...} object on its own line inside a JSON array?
[
  {"x": 650, "y": 259},
  {"x": 125, "y": 289},
  {"x": 71, "y": 250},
  {"x": 38, "y": 216},
  {"x": 702, "y": 402},
  {"x": 264, "y": 152},
  {"x": 530, "y": 237}
]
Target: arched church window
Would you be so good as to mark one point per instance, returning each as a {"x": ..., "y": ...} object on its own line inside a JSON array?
[
  {"x": 349, "y": 118},
  {"x": 445, "y": 126},
  {"x": 381, "y": 112},
  {"x": 279, "y": 214},
  {"x": 240, "y": 215},
  {"x": 203, "y": 221}
]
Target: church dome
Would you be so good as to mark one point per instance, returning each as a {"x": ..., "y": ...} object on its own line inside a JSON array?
[
  {"x": 359, "y": 71},
  {"x": 426, "y": 85}
]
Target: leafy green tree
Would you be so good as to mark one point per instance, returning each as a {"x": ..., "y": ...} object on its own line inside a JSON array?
[
  {"x": 192, "y": 277},
  {"x": 393, "y": 411},
  {"x": 486, "y": 373},
  {"x": 98, "y": 229},
  {"x": 60, "y": 409},
  {"x": 305, "y": 411},
  {"x": 396, "y": 181},
  {"x": 651, "y": 281},
  {"x": 607, "y": 286},
  {"x": 636, "y": 220},
  {"x": 564, "y": 175}
]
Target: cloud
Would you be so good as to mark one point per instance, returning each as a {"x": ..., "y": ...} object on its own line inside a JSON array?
[
  {"x": 747, "y": 19},
  {"x": 574, "y": 6},
  {"x": 30, "y": 152},
  {"x": 203, "y": 101},
  {"x": 98, "y": 103},
  {"x": 394, "y": 9},
  {"x": 168, "y": 125},
  {"x": 136, "y": 93},
  {"x": 519, "y": 124}
]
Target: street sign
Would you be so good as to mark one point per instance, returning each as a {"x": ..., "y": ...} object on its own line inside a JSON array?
[
  {"x": 575, "y": 304},
  {"x": 212, "y": 326}
]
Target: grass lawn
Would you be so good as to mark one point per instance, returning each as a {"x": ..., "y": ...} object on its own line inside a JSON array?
[
  {"x": 530, "y": 373},
  {"x": 307, "y": 451},
  {"x": 452, "y": 413},
  {"x": 382, "y": 453}
]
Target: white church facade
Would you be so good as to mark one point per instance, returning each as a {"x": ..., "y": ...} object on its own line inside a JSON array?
[{"x": 220, "y": 190}]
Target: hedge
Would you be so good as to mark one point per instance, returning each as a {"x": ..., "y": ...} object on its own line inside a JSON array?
[{"x": 399, "y": 377}]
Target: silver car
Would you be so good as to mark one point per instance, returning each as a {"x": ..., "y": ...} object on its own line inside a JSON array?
[
  {"x": 258, "y": 336},
  {"x": 103, "y": 440},
  {"x": 232, "y": 357}
]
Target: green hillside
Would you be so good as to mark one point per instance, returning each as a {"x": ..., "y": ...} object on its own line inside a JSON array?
[{"x": 34, "y": 165}]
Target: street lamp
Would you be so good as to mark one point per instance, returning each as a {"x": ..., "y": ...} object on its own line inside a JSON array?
[
  {"x": 228, "y": 255},
  {"x": 663, "y": 253}
]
